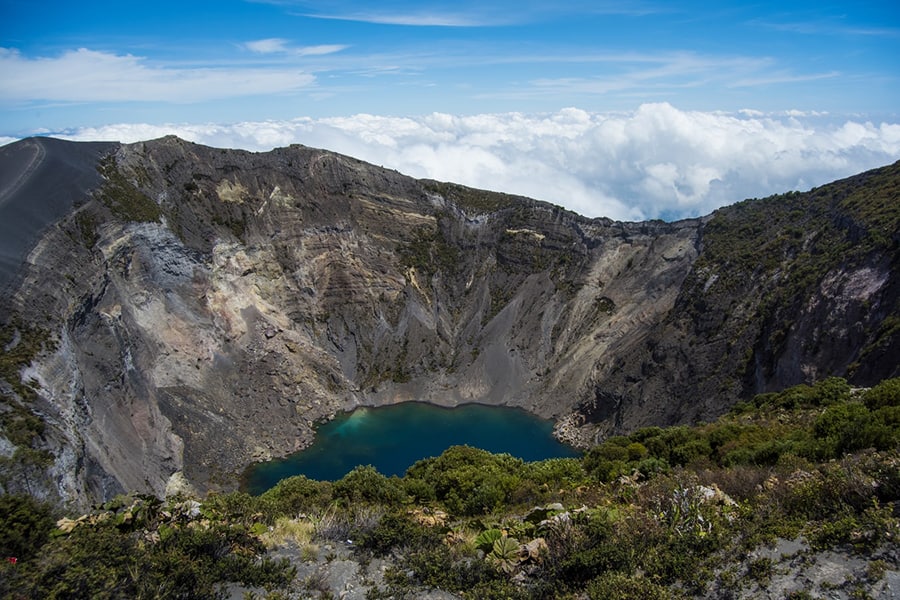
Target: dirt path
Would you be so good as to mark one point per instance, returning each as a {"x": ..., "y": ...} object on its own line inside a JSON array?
[{"x": 11, "y": 182}]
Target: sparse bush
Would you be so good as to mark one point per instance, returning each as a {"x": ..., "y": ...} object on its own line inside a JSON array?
[
  {"x": 398, "y": 531},
  {"x": 761, "y": 569},
  {"x": 122, "y": 197}
]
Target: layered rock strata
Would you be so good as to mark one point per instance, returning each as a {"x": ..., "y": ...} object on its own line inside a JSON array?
[{"x": 207, "y": 307}]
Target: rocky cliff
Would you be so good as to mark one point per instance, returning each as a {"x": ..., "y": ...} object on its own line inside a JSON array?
[{"x": 189, "y": 310}]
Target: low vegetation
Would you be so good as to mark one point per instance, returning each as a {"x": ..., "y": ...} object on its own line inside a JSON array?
[
  {"x": 429, "y": 253},
  {"x": 471, "y": 200},
  {"x": 763, "y": 261},
  {"x": 661, "y": 513},
  {"x": 19, "y": 424},
  {"x": 122, "y": 197}
]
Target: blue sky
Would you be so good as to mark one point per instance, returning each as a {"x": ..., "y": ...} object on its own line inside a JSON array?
[
  {"x": 89, "y": 63},
  {"x": 75, "y": 68}
]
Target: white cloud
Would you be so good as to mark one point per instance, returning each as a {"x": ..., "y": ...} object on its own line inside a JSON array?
[
  {"x": 282, "y": 46},
  {"x": 90, "y": 76},
  {"x": 462, "y": 13},
  {"x": 654, "y": 162},
  {"x": 409, "y": 19},
  {"x": 319, "y": 50},
  {"x": 267, "y": 46},
  {"x": 781, "y": 78}
]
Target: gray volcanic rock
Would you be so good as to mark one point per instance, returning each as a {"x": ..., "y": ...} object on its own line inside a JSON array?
[
  {"x": 40, "y": 180},
  {"x": 208, "y": 306}
]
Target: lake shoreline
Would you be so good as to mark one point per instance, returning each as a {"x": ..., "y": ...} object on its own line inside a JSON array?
[{"x": 395, "y": 436}]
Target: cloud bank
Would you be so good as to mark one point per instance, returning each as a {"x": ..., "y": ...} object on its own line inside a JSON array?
[
  {"x": 85, "y": 75},
  {"x": 654, "y": 162}
]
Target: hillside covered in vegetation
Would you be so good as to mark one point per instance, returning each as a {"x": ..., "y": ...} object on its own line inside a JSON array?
[{"x": 795, "y": 494}]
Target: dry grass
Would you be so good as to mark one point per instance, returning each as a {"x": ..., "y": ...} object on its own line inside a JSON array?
[{"x": 285, "y": 530}]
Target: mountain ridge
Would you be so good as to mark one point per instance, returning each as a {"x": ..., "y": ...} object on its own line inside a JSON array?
[{"x": 207, "y": 306}]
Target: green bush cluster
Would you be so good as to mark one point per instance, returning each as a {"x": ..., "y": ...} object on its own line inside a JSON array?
[
  {"x": 366, "y": 485},
  {"x": 817, "y": 422},
  {"x": 660, "y": 513},
  {"x": 467, "y": 481},
  {"x": 25, "y": 526},
  {"x": 133, "y": 547},
  {"x": 618, "y": 586}
]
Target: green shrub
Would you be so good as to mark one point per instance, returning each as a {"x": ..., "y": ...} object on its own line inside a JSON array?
[
  {"x": 886, "y": 393},
  {"x": 837, "y": 427},
  {"x": 613, "y": 458},
  {"x": 398, "y": 531},
  {"x": 851, "y": 427},
  {"x": 555, "y": 472},
  {"x": 468, "y": 481},
  {"x": 619, "y": 586},
  {"x": 236, "y": 506},
  {"x": 691, "y": 451},
  {"x": 761, "y": 569},
  {"x": 607, "y": 451},
  {"x": 100, "y": 560},
  {"x": 645, "y": 433},
  {"x": 366, "y": 484},
  {"x": 91, "y": 562},
  {"x": 864, "y": 532},
  {"x": 598, "y": 546},
  {"x": 829, "y": 391},
  {"x": 435, "y": 567},
  {"x": 657, "y": 447},
  {"x": 295, "y": 495},
  {"x": 768, "y": 453},
  {"x": 637, "y": 451},
  {"x": 420, "y": 489},
  {"x": 25, "y": 525},
  {"x": 652, "y": 466}
]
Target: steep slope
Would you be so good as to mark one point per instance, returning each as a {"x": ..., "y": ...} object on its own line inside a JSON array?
[
  {"x": 788, "y": 289},
  {"x": 202, "y": 308},
  {"x": 40, "y": 178}
]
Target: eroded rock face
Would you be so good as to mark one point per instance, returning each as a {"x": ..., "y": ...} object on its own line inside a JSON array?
[{"x": 209, "y": 306}]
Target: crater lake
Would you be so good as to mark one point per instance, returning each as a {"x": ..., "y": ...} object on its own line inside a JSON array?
[{"x": 392, "y": 438}]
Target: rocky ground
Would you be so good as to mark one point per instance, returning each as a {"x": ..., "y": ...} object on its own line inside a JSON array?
[{"x": 787, "y": 569}]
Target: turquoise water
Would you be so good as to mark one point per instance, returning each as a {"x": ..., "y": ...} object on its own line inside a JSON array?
[{"x": 392, "y": 438}]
